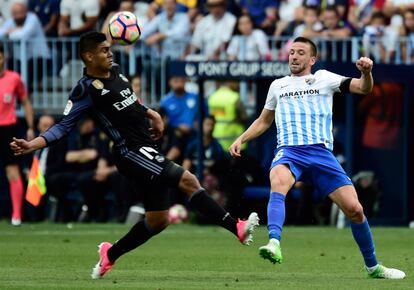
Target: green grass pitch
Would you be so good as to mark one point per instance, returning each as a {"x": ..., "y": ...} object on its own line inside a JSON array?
[{"x": 53, "y": 256}]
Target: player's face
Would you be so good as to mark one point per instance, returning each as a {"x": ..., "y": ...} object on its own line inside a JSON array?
[
  {"x": 102, "y": 58},
  {"x": 300, "y": 59}
]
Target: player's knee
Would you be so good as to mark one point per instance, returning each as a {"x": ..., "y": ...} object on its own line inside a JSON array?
[
  {"x": 356, "y": 213},
  {"x": 12, "y": 172},
  {"x": 159, "y": 223},
  {"x": 189, "y": 183},
  {"x": 279, "y": 184}
]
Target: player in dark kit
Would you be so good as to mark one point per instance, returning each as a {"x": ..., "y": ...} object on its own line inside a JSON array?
[{"x": 106, "y": 95}]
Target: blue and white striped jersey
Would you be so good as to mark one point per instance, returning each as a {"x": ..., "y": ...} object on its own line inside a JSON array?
[{"x": 303, "y": 108}]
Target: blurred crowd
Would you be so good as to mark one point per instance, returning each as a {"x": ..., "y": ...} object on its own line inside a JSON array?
[
  {"x": 82, "y": 182},
  {"x": 221, "y": 29}
]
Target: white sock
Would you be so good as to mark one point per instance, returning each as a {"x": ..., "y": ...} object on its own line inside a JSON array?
[
  {"x": 276, "y": 241},
  {"x": 371, "y": 269}
]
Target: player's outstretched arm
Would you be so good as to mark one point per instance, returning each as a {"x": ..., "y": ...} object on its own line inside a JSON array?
[
  {"x": 257, "y": 128},
  {"x": 22, "y": 146},
  {"x": 364, "y": 84}
]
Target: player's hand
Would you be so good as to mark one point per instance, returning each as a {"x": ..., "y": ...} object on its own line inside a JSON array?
[
  {"x": 20, "y": 146},
  {"x": 364, "y": 64},
  {"x": 235, "y": 148},
  {"x": 157, "y": 129}
]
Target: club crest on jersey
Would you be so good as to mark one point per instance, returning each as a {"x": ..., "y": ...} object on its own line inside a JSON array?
[
  {"x": 68, "y": 107},
  {"x": 98, "y": 84},
  {"x": 159, "y": 158},
  {"x": 123, "y": 78},
  {"x": 310, "y": 81}
]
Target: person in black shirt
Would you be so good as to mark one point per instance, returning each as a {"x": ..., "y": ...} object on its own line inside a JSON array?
[{"x": 106, "y": 95}]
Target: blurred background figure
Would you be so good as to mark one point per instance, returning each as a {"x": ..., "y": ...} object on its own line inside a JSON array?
[
  {"x": 213, "y": 32},
  {"x": 169, "y": 31},
  {"x": 77, "y": 17},
  {"x": 24, "y": 26},
  {"x": 248, "y": 43},
  {"x": 228, "y": 110},
  {"x": 407, "y": 30},
  {"x": 12, "y": 90},
  {"x": 181, "y": 109},
  {"x": 48, "y": 13},
  {"x": 263, "y": 13}
]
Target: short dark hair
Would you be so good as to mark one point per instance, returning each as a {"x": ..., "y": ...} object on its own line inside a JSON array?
[
  {"x": 314, "y": 50},
  {"x": 89, "y": 41},
  {"x": 211, "y": 117}
]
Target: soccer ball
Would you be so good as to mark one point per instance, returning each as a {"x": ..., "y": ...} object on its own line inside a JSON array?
[
  {"x": 177, "y": 214},
  {"x": 123, "y": 28}
]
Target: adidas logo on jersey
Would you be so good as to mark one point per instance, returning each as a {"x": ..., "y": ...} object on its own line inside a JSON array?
[{"x": 104, "y": 92}]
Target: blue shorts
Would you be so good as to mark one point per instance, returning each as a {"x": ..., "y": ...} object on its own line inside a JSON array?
[{"x": 315, "y": 164}]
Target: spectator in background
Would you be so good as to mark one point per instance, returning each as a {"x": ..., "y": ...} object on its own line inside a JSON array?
[
  {"x": 168, "y": 31},
  {"x": 248, "y": 43},
  {"x": 333, "y": 26},
  {"x": 213, "y": 32},
  {"x": 263, "y": 13},
  {"x": 181, "y": 109},
  {"x": 225, "y": 105},
  {"x": 379, "y": 40},
  {"x": 290, "y": 16},
  {"x": 407, "y": 31},
  {"x": 25, "y": 25},
  {"x": 311, "y": 23},
  {"x": 340, "y": 5},
  {"x": 212, "y": 148},
  {"x": 213, "y": 153},
  {"x": 186, "y": 6},
  {"x": 360, "y": 11},
  {"x": 48, "y": 13},
  {"x": 88, "y": 157},
  {"x": 136, "y": 87},
  {"x": 181, "y": 106},
  {"x": 77, "y": 17},
  {"x": 11, "y": 90},
  {"x": 392, "y": 7},
  {"x": 5, "y": 10}
]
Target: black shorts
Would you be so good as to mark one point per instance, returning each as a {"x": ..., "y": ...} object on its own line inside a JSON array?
[
  {"x": 7, "y": 156},
  {"x": 152, "y": 174}
]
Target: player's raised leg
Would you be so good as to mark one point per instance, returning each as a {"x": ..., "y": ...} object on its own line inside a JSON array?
[
  {"x": 203, "y": 203},
  {"x": 281, "y": 180},
  {"x": 153, "y": 224},
  {"x": 346, "y": 198}
]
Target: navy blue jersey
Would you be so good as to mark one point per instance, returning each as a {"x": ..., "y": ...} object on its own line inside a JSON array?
[{"x": 113, "y": 105}]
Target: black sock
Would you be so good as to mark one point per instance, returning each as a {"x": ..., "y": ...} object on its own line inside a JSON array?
[
  {"x": 139, "y": 234},
  {"x": 205, "y": 205}
]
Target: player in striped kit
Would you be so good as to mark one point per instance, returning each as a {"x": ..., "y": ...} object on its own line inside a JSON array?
[{"x": 301, "y": 105}]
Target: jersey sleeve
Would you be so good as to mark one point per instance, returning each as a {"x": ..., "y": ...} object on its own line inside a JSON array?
[
  {"x": 333, "y": 80},
  {"x": 271, "y": 100},
  {"x": 79, "y": 102},
  {"x": 21, "y": 92}
]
